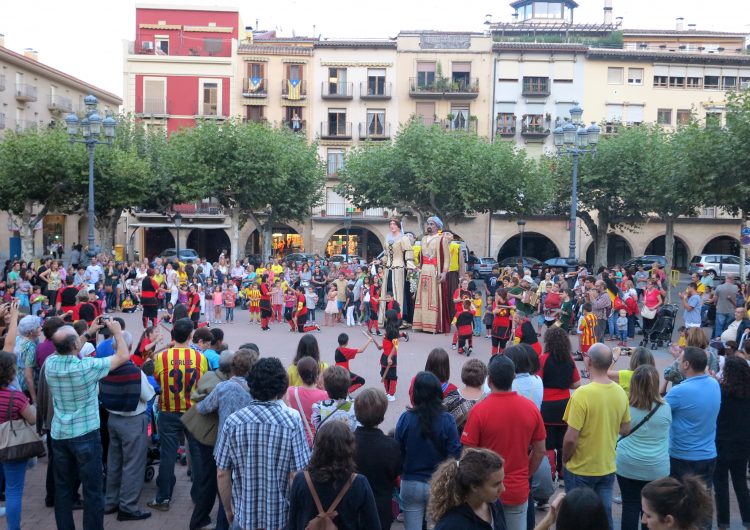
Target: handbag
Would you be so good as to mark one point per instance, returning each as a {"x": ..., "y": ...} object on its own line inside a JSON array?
[
  {"x": 18, "y": 439},
  {"x": 641, "y": 423},
  {"x": 648, "y": 313}
]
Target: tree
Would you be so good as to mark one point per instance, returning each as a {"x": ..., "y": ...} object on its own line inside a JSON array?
[
  {"x": 729, "y": 154},
  {"x": 36, "y": 175},
  {"x": 123, "y": 177},
  {"x": 258, "y": 172},
  {"x": 613, "y": 185},
  {"x": 428, "y": 170}
]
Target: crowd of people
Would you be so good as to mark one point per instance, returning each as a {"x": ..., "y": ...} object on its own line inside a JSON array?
[{"x": 279, "y": 447}]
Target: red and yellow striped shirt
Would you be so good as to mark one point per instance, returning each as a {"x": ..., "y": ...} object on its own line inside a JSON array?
[
  {"x": 588, "y": 325},
  {"x": 178, "y": 370}
]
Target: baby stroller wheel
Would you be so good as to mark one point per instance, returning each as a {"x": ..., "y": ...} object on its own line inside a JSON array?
[
  {"x": 660, "y": 344},
  {"x": 653, "y": 345},
  {"x": 149, "y": 474}
]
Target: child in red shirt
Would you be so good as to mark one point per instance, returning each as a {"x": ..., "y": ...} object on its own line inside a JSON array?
[
  {"x": 389, "y": 357},
  {"x": 344, "y": 354},
  {"x": 465, "y": 328}
]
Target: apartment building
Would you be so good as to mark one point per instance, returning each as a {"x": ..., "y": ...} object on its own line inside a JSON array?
[{"x": 35, "y": 95}]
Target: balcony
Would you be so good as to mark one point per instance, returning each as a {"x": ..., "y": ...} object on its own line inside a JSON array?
[
  {"x": 375, "y": 91},
  {"x": 2, "y": 120},
  {"x": 61, "y": 103},
  {"x": 2, "y": 83},
  {"x": 339, "y": 209},
  {"x": 254, "y": 88},
  {"x": 25, "y": 125},
  {"x": 469, "y": 126},
  {"x": 506, "y": 131},
  {"x": 534, "y": 131},
  {"x": 154, "y": 108},
  {"x": 444, "y": 88},
  {"x": 208, "y": 111},
  {"x": 25, "y": 92},
  {"x": 197, "y": 209},
  {"x": 335, "y": 131},
  {"x": 336, "y": 90},
  {"x": 301, "y": 126},
  {"x": 293, "y": 90},
  {"x": 374, "y": 131}
]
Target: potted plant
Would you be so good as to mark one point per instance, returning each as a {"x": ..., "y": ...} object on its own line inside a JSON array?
[{"x": 323, "y": 212}]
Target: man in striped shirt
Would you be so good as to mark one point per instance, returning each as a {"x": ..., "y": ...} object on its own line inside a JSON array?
[
  {"x": 587, "y": 327},
  {"x": 177, "y": 369}
]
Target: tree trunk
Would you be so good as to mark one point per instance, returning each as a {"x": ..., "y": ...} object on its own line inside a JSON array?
[
  {"x": 106, "y": 226},
  {"x": 267, "y": 231},
  {"x": 235, "y": 214},
  {"x": 669, "y": 250},
  {"x": 601, "y": 242},
  {"x": 26, "y": 232}
]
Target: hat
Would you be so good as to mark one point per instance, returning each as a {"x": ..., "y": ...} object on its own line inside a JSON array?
[{"x": 527, "y": 279}]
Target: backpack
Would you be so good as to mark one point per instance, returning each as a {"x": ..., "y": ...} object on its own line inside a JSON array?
[{"x": 324, "y": 519}]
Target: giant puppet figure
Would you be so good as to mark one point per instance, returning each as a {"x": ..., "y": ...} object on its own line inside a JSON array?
[
  {"x": 397, "y": 259},
  {"x": 431, "y": 313}
]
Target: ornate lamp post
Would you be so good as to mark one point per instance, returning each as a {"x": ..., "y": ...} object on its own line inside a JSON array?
[
  {"x": 347, "y": 226},
  {"x": 88, "y": 131},
  {"x": 521, "y": 227}
]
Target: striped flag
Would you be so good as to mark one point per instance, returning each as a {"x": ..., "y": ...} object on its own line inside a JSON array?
[
  {"x": 254, "y": 84},
  {"x": 294, "y": 89}
]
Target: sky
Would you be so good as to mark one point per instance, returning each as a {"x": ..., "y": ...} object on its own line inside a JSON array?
[{"x": 84, "y": 38}]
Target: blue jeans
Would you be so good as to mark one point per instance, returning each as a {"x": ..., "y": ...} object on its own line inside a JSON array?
[
  {"x": 414, "y": 495},
  {"x": 15, "y": 474},
  {"x": 79, "y": 458},
  {"x": 169, "y": 427},
  {"x": 477, "y": 326},
  {"x": 515, "y": 516},
  {"x": 229, "y": 314},
  {"x": 612, "y": 323},
  {"x": 602, "y": 485},
  {"x": 722, "y": 322},
  {"x": 622, "y": 334}
]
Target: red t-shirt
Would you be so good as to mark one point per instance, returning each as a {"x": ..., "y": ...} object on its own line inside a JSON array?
[
  {"x": 555, "y": 394},
  {"x": 20, "y": 402},
  {"x": 507, "y": 423},
  {"x": 343, "y": 355}
]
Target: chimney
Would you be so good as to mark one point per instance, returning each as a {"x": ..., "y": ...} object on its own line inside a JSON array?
[
  {"x": 691, "y": 27},
  {"x": 608, "y": 12},
  {"x": 680, "y": 24},
  {"x": 2, "y": 40},
  {"x": 29, "y": 53}
]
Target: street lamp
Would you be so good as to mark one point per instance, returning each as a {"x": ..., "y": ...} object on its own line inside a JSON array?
[
  {"x": 347, "y": 226},
  {"x": 575, "y": 139},
  {"x": 90, "y": 129},
  {"x": 177, "y": 224},
  {"x": 521, "y": 227}
]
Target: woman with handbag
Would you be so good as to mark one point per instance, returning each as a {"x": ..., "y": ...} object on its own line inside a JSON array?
[
  {"x": 14, "y": 406},
  {"x": 651, "y": 301},
  {"x": 329, "y": 490},
  {"x": 643, "y": 454}
]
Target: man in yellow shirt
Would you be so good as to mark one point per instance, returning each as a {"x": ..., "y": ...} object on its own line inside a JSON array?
[
  {"x": 596, "y": 414},
  {"x": 276, "y": 267}
]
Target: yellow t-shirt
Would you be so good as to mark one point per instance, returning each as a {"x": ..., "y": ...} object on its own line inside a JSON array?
[
  {"x": 477, "y": 307},
  {"x": 416, "y": 249},
  {"x": 455, "y": 249},
  {"x": 259, "y": 274},
  {"x": 596, "y": 411},
  {"x": 625, "y": 377},
  {"x": 277, "y": 269},
  {"x": 295, "y": 379}
]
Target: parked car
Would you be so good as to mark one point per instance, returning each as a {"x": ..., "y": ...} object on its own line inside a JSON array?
[
  {"x": 563, "y": 263},
  {"x": 483, "y": 267},
  {"x": 300, "y": 257},
  {"x": 647, "y": 262},
  {"x": 340, "y": 258},
  {"x": 533, "y": 264},
  {"x": 717, "y": 264},
  {"x": 170, "y": 254}
]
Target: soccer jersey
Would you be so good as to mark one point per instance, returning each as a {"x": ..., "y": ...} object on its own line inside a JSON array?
[
  {"x": 254, "y": 296},
  {"x": 343, "y": 355},
  {"x": 178, "y": 370},
  {"x": 588, "y": 325}
]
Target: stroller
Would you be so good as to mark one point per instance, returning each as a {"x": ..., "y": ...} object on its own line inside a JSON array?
[{"x": 661, "y": 332}]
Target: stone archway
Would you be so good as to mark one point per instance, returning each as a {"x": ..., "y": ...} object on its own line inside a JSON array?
[
  {"x": 619, "y": 250},
  {"x": 285, "y": 240},
  {"x": 535, "y": 245},
  {"x": 681, "y": 251},
  {"x": 722, "y": 245},
  {"x": 156, "y": 241},
  {"x": 363, "y": 242},
  {"x": 210, "y": 242}
]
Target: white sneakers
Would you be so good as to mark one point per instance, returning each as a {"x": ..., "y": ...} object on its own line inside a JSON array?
[{"x": 390, "y": 397}]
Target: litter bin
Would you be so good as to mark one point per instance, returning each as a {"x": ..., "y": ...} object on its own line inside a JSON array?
[{"x": 119, "y": 253}]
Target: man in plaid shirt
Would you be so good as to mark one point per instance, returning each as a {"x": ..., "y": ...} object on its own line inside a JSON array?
[{"x": 260, "y": 448}]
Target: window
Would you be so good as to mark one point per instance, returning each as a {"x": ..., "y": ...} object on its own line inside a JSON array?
[
  {"x": 294, "y": 72},
  {"x": 635, "y": 76},
  {"x": 694, "y": 82},
  {"x": 728, "y": 82},
  {"x": 425, "y": 74},
  {"x": 538, "y": 86},
  {"x": 154, "y": 101},
  {"x": 426, "y": 111},
  {"x": 212, "y": 46},
  {"x": 615, "y": 75},
  {"x": 293, "y": 118},
  {"x": 677, "y": 82},
  {"x": 376, "y": 81},
  {"x": 534, "y": 123},
  {"x": 335, "y": 162},
  {"x": 664, "y": 116},
  {"x": 661, "y": 81},
  {"x": 256, "y": 83},
  {"x": 684, "y": 116},
  {"x": 337, "y": 82},
  {"x": 255, "y": 113},
  {"x": 611, "y": 127},
  {"x": 713, "y": 119},
  {"x": 710, "y": 82},
  {"x": 375, "y": 122},
  {"x": 162, "y": 45},
  {"x": 506, "y": 123},
  {"x": 460, "y": 120},
  {"x": 744, "y": 82},
  {"x": 461, "y": 74},
  {"x": 337, "y": 122},
  {"x": 210, "y": 101}
]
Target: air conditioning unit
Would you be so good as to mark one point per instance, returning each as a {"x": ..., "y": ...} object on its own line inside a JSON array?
[
  {"x": 744, "y": 85},
  {"x": 147, "y": 45}
]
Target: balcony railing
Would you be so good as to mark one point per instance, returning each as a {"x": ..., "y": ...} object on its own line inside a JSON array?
[
  {"x": 208, "y": 111},
  {"x": 293, "y": 90},
  {"x": 374, "y": 131},
  {"x": 57, "y": 102},
  {"x": 154, "y": 108},
  {"x": 506, "y": 131},
  {"x": 198, "y": 208},
  {"x": 454, "y": 125},
  {"x": 2, "y": 82},
  {"x": 375, "y": 91},
  {"x": 336, "y": 131},
  {"x": 254, "y": 88},
  {"x": 300, "y": 126},
  {"x": 336, "y": 90},
  {"x": 341, "y": 209},
  {"x": 25, "y": 125},
  {"x": 534, "y": 131},
  {"x": 25, "y": 92},
  {"x": 2, "y": 120},
  {"x": 444, "y": 88}
]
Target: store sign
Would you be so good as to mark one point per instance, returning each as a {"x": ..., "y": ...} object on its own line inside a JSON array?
[{"x": 428, "y": 41}]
